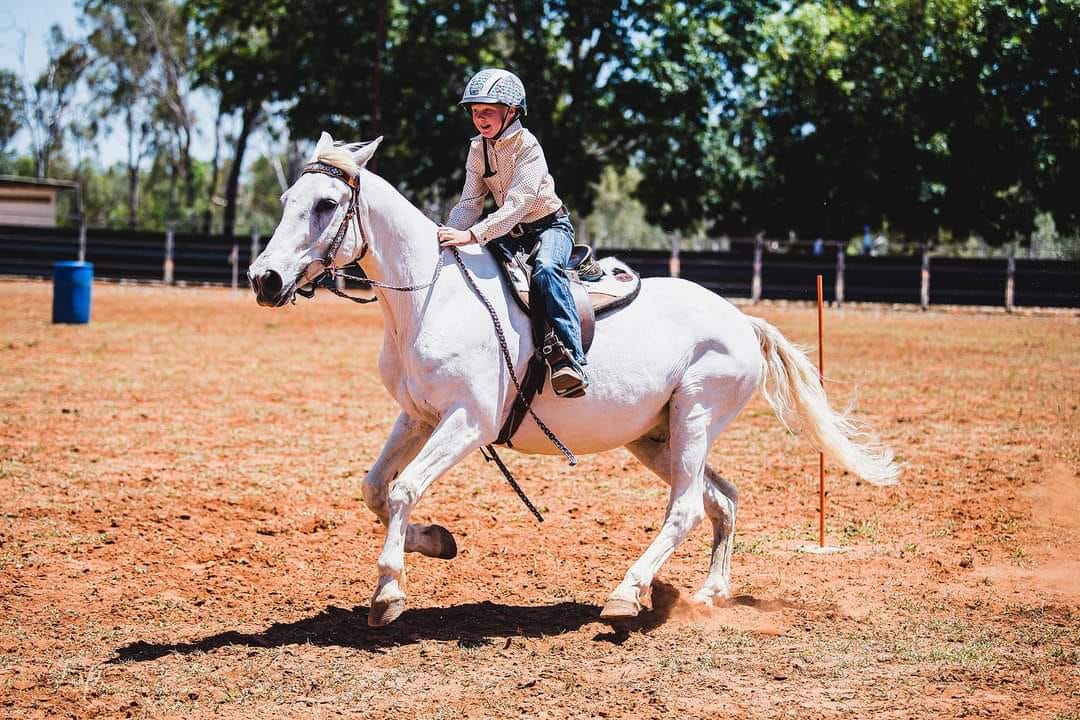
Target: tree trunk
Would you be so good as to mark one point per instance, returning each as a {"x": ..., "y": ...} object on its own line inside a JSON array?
[
  {"x": 249, "y": 119},
  {"x": 133, "y": 170},
  {"x": 174, "y": 176},
  {"x": 189, "y": 175},
  {"x": 208, "y": 216}
]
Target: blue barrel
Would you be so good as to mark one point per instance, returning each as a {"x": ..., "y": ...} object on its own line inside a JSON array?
[{"x": 72, "y": 281}]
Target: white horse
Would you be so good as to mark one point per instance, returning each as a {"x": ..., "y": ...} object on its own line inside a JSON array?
[{"x": 669, "y": 372}]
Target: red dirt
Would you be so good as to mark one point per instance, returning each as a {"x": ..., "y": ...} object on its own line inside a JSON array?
[{"x": 181, "y": 533}]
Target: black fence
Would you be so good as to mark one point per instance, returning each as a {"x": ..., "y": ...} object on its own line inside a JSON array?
[
  {"x": 123, "y": 254},
  {"x": 892, "y": 279},
  {"x": 186, "y": 258}
]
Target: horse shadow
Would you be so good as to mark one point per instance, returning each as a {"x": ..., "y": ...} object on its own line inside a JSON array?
[{"x": 470, "y": 625}]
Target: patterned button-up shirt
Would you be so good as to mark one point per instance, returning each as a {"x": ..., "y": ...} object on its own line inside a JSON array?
[{"x": 523, "y": 189}]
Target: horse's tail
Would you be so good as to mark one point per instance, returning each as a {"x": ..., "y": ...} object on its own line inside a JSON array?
[{"x": 790, "y": 385}]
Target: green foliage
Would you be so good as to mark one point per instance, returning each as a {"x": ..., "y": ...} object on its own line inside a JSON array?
[
  {"x": 618, "y": 219},
  {"x": 951, "y": 116},
  {"x": 935, "y": 120}
]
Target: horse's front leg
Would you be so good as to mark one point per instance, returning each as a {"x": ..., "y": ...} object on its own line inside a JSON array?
[
  {"x": 406, "y": 438},
  {"x": 456, "y": 435}
]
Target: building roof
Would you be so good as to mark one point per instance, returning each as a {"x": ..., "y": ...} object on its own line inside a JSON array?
[{"x": 47, "y": 182}]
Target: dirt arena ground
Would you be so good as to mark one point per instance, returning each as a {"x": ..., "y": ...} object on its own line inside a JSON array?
[{"x": 182, "y": 533}]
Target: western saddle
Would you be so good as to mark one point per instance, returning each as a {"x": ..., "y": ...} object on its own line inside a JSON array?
[{"x": 598, "y": 287}]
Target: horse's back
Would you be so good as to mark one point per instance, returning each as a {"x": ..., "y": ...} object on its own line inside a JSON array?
[
  {"x": 683, "y": 316},
  {"x": 675, "y": 335}
]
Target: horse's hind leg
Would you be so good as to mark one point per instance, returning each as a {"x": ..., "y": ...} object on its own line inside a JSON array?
[
  {"x": 721, "y": 505},
  {"x": 685, "y": 461},
  {"x": 406, "y": 439},
  {"x": 721, "y": 501}
]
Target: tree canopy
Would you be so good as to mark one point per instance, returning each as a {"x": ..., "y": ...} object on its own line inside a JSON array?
[{"x": 937, "y": 119}]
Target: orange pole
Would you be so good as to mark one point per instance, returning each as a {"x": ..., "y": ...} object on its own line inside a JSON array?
[{"x": 821, "y": 380}]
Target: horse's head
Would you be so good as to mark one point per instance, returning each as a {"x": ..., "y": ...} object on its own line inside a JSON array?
[{"x": 319, "y": 225}]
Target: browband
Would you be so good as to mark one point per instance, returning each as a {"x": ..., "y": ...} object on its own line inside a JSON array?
[{"x": 332, "y": 171}]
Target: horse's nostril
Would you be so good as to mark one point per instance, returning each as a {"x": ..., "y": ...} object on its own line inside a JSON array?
[{"x": 269, "y": 284}]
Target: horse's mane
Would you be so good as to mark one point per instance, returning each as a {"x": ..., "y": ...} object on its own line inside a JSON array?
[{"x": 341, "y": 157}]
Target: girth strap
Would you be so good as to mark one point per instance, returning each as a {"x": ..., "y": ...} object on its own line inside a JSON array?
[{"x": 531, "y": 385}]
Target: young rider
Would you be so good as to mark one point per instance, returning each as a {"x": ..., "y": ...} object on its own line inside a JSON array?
[{"x": 506, "y": 160}]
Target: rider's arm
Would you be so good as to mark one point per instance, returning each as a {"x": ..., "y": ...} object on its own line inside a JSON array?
[
  {"x": 523, "y": 195},
  {"x": 471, "y": 205}
]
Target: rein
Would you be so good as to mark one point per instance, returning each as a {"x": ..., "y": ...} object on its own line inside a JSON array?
[{"x": 331, "y": 271}]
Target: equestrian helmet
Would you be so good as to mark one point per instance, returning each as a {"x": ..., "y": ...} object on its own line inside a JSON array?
[{"x": 495, "y": 86}]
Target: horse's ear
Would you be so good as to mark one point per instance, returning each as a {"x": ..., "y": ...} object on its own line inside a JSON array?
[
  {"x": 325, "y": 142},
  {"x": 363, "y": 154}
]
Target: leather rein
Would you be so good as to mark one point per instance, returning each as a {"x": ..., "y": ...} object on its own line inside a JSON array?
[{"x": 329, "y": 269}]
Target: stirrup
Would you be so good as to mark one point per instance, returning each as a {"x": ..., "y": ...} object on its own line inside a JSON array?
[{"x": 568, "y": 379}]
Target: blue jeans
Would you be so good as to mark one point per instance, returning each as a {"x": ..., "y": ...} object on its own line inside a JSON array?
[{"x": 549, "y": 278}]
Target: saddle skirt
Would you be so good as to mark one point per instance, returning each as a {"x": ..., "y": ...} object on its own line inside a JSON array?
[{"x": 598, "y": 287}]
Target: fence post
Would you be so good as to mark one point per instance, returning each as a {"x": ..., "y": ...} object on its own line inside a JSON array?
[
  {"x": 841, "y": 264},
  {"x": 1010, "y": 281},
  {"x": 924, "y": 290},
  {"x": 755, "y": 284},
  {"x": 82, "y": 239},
  {"x": 674, "y": 267},
  {"x": 167, "y": 270}
]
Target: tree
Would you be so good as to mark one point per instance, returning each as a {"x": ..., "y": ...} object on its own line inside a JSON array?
[
  {"x": 944, "y": 117},
  {"x": 688, "y": 65},
  {"x": 617, "y": 219},
  {"x": 244, "y": 54},
  {"x": 11, "y": 99},
  {"x": 164, "y": 28},
  {"x": 121, "y": 71},
  {"x": 567, "y": 53},
  {"x": 394, "y": 69},
  {"x": 47, "y": 104}
]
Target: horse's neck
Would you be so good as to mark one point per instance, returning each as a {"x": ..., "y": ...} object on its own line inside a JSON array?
[{"x": 403, "y": 251}]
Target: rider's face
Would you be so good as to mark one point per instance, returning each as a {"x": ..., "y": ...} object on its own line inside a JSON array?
[{"x": 489, "y": 119}]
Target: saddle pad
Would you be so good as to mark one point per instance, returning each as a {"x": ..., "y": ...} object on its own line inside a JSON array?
[{"x": 615, "y": 288}]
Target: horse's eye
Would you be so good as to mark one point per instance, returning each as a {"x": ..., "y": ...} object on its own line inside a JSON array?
[{"x": 325, "y": 206}]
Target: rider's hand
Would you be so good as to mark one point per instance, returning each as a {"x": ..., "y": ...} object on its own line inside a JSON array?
[{"x": 449, "y": 237}]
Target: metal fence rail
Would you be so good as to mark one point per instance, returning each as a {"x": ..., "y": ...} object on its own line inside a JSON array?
[
  {"x": 747, "y": 270},
  {"x": 892, "y": 279}
]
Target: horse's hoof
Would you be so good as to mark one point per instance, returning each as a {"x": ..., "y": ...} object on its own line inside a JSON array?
[
  {"x": 703, "y": 597},
  {"x": 710, "y": 598},
  {"x": 384, "y": 612},
  {"x": 616, "y": 609},
  {"x": 441, "y": 538}
]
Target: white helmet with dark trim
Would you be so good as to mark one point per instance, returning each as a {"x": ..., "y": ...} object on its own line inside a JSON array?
[{"x": 495, "y": 85}]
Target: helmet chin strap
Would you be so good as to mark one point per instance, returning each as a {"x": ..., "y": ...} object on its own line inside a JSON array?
[{"x": 488, "y": 172}]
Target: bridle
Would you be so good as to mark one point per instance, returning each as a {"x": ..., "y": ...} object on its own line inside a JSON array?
[{"x": 328, "y": 271}]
